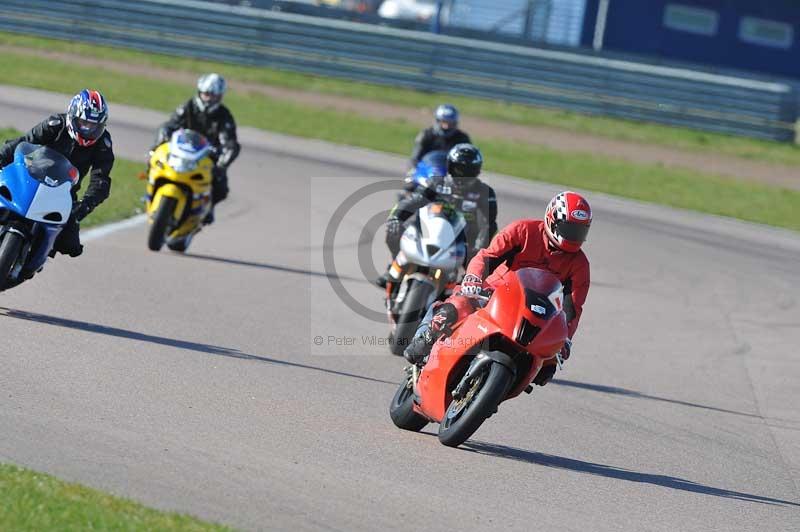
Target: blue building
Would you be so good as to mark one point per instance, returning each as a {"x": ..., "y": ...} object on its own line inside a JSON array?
[
  {"x": 753, "y": 35},
  {"x": 558, "y": 22}
]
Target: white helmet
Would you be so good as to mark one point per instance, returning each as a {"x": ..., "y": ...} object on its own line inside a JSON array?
[{"x": 210, "y": 89}]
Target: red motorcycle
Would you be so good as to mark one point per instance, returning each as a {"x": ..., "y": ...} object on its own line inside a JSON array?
[{"x": 492, "y": 356}]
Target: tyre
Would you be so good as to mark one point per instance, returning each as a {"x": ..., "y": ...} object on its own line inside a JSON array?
[
  {"x": 410, "y": 316},
  {"x": 158, "y": 230},
  {"x": 401, "y": 410},
  {"x": 10, "y": 248},
  {"x": 463, "y": 417}
]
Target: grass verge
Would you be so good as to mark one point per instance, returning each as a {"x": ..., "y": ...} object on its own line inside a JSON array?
[
  {"x": 655, "y": 183},
  {"x": 652, "y": 183},
  {"x": 126, "y": 189},
  {"x": 34, "y": 502},
  {"x": 675, "y": 137}
]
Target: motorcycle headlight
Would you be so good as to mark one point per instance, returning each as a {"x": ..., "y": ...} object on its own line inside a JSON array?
[{"x": 181, "y": 164}]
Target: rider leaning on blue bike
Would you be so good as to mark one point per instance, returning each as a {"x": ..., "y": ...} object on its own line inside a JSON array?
[
  {"x": 443, "y": 135},
  {"x": 80, "y": 135}
]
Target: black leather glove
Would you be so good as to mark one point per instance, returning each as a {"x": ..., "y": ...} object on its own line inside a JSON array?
[
  {"x": 80, "y": 211},
  {"x": 545, "y": 375},
  {"x": 394, "y": 229}
]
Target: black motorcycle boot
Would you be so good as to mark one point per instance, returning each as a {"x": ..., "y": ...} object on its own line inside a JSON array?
[
  {"x": 420, "y": 347},
  {"x": 382, "y": 280},
  {"x": 209, "y": 219},
  {"x": 386, "y": 277},
  {"x": 68, "y": 242},
  {"x": 71, "y": 251},
  {"x": 545, "y": 375}
]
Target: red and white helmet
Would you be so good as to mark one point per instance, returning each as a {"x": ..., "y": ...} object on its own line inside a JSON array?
[{"x": 567, "y": 221}]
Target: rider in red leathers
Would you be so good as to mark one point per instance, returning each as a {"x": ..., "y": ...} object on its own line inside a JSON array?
[{"x": 552, "y": 244}]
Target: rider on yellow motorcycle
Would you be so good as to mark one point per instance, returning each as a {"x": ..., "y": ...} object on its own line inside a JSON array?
[{"x": 179, "y": 189}]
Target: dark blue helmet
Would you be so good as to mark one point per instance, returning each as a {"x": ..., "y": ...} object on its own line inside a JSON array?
[{"x": 446, "y": 119}]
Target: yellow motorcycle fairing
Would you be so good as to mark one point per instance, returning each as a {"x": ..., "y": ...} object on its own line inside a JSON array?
[
  {"x": 170, "y": 190},
  {"x": 190, "y": 189}
]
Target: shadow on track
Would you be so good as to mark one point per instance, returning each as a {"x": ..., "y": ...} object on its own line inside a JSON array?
[
  {"x": 633, "y": 393},
  {"x": 266, "y": 266},
  {"x": 579, "y": 466},
  {"x": 170, "y": 342}
]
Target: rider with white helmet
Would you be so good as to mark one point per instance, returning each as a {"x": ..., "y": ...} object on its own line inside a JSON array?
[{"x": 205, "y": 114}]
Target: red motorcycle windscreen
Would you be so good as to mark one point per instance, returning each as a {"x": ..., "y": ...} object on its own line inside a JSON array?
[{"x": 539, "y": 286}]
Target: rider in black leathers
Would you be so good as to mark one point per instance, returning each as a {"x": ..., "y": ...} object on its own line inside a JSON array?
[
  {"x": 443, "y": 135},
  {"x": 205, "y": 114},
  {"x": 80, "y": 135},
  {"x": 463, "y": 190}
]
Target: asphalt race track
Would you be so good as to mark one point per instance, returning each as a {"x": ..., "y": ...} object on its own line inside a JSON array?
[{"x": 193, "y": 383}]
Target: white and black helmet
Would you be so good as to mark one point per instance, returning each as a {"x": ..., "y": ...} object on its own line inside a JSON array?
[{"x": 210, "y": 89}]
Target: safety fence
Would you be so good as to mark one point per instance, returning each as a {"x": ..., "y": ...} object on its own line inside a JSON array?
[{"x": 552, "y": 78}]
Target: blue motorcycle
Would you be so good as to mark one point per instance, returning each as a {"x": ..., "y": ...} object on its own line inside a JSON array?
[
  {"x": 35, "y": 203},
  {"x": 432, "y": 164}
]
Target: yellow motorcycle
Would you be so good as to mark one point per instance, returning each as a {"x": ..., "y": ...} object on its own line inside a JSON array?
[{"x": 178, "y": 190}]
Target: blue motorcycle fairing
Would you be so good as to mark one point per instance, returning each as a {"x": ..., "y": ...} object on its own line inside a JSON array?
[
  {"x": 44, "y": 239},
  {"x": 20, "y": 186},
  {"x": 433, "y": 164},
  {"x": 34, "y": 167}
]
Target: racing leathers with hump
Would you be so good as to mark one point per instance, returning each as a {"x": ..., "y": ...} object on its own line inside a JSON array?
[
  {"x": 462, "y": 189},
  {"x": 205, "y": 114},
  {"x": 553, "y": 244},
  {"x": 80, "y": 135}
]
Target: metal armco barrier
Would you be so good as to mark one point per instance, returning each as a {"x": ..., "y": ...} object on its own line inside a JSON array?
[{"x": 364, "y": 52}]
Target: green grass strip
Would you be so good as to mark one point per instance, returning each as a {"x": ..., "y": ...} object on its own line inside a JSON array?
[
  {"x": 655, "y": 183},
  {"x": 652, "y": 183},
  {"x": 126, "y": 189},
  {"x": 126, "y": 194},
  {"x": 620, "y": 129},
  {"x": 37, "y": 502}
]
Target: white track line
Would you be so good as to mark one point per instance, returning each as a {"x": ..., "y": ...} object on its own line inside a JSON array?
[{"x": 107, "y": 229}]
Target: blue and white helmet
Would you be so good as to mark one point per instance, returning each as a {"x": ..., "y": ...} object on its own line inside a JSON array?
[
  {"x": 87, "y": 115},
  {"x": 446, "y": 119},
  {"x": 210, "y": 89}
]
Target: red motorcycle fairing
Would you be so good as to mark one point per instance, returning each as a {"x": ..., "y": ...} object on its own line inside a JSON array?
[{"x": 524, "y": 318}]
